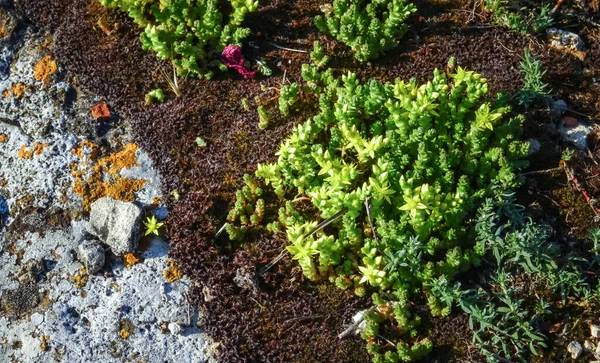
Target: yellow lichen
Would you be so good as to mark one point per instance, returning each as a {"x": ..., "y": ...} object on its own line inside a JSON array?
[
  {"x": 129, "y": 260},
  {"x": 25, "y": 153},
  {"x": 38, "y": 148},
  {"x": 3, "y": 138},
  {"x": 44, "y": 343},
  {"x": 44, "y": 68},
  {"x": 172, "y": 272},
  {"x": 126, "y": 328},
  {"x": 95, "y": 179},
  {"x": 81, "y": 278},
  {"x": 17, "y": 91}
]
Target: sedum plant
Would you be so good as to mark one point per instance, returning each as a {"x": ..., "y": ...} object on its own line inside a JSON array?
[
  {"x": 190, "y": 33},
  {"x": 397, "y": 170},
  {"x": 247, "y": 211},
  {"x": 368, "y": 27}
]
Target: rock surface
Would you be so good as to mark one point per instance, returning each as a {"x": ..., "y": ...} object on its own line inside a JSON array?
[
  {"x": 116, "y": 223},
  {"x": 51, "y": 150},
  {"x": 91, "y": 254}
]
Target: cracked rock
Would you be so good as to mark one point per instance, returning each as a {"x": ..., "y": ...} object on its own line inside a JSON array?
[
  {"x": 116, "y": 223},
  {"x": 91, "y": 254}
]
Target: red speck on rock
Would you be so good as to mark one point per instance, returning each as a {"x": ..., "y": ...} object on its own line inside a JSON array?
[
  {"x": 233, "y": 58},
  {"x": 570, "y": 121},
  {"x": 100, "y": 112}
]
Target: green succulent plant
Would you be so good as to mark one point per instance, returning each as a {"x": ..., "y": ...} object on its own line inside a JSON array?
[
  {"x": 190, "y": 33},
  {"x": 152, "y": 225},
  {"x": 368, "y": 27}
]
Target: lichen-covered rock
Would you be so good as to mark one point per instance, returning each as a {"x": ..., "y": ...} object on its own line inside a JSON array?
[
  {"x": 563, "y": 39},
  {"x": 91, "y": 254},
  {"x": 576, "y": 135},
  {"x": 116, "y": 223}
]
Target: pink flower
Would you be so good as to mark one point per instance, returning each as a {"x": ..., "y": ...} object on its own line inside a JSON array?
[{"x": 233, "y": 58}]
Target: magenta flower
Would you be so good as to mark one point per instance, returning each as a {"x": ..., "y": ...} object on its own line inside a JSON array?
[{"x": 233, "y": 58}]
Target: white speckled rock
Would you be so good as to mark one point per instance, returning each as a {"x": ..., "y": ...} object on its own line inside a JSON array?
[
  {"x": 91, "y": 254},
  {"x": 116, "y": 223}
]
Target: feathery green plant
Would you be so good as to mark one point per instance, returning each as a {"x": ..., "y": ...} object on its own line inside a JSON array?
[
  {"x": 533, "y": 87},
  {"x": 190, "y": 33},
  {"x": 368, "y": 27}
]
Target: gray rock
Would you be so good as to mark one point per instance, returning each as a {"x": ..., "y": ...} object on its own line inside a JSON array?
[
  {"x": 575, "y": 349},
  {"x": 534, "y": 146},
  {"x": 562, "y": 39},
  {"x": 91, "y": 254},
  {"x": 116, "y": 223},
  {"x": 595, "y": 331},
  {"x": 576, "y": 135},
  {"x": 175, "y": 329},
  {"x": 559, "y": 107}
]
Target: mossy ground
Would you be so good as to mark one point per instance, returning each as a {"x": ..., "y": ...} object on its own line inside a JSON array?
[{"x": 287, "y": 318}]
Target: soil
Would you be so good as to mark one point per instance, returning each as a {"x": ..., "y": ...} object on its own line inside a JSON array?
[{"x": 280, "y": 316}]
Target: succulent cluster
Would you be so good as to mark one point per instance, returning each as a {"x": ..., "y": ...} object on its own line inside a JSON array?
[
  {"x": 248, "y": 209},
  {"x": 368, "y": 27},
  {"x": 188, "y": 32},
  {"x": 396, "y": 170}
]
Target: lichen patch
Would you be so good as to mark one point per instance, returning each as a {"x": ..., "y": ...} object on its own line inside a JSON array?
[
  {"x": 130, "y": 260},
  {"x": 97, "y": 178},
  {"x": 16, "y": 91},
  {"x": 172, "y": 273},
  {"x": 27, "y": 153},
  {"x": 44, "y": 68}
]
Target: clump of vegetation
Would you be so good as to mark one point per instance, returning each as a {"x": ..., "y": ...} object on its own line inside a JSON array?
[
  {"x": 263, "y": 117},
  {"x": 189, "y": 33},
  {"x": 156, "y": 95},
  {"x": 514, "y": 15},
  {"x": 152, "y": 225},
  {"x": 533, "y": 87},
  {"x": 395, "y": 170},
  {"x": 248, "y": 209},
  {"x": 288, "y": 96},
  {"x": 368, "y": 27}
]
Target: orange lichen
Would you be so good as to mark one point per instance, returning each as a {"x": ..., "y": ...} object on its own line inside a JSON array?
[
  {"x": 123, "y": 159},
  {"x": 44, "y": 68},
  {"x": 172, "y": 272},
  {"x": 3, "y": 138},
  {"x": 85, "y": 148},
  {"x": 25, "y": 153},
  {"x": 129, "y": 260},
  {"x": 126, "y": 328},
  {"x": 16, "y": 90},
  {"x": 81, "y": 278},
  {"x": 38, "y": 148},
  {"x": 95, "y": 179}
]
